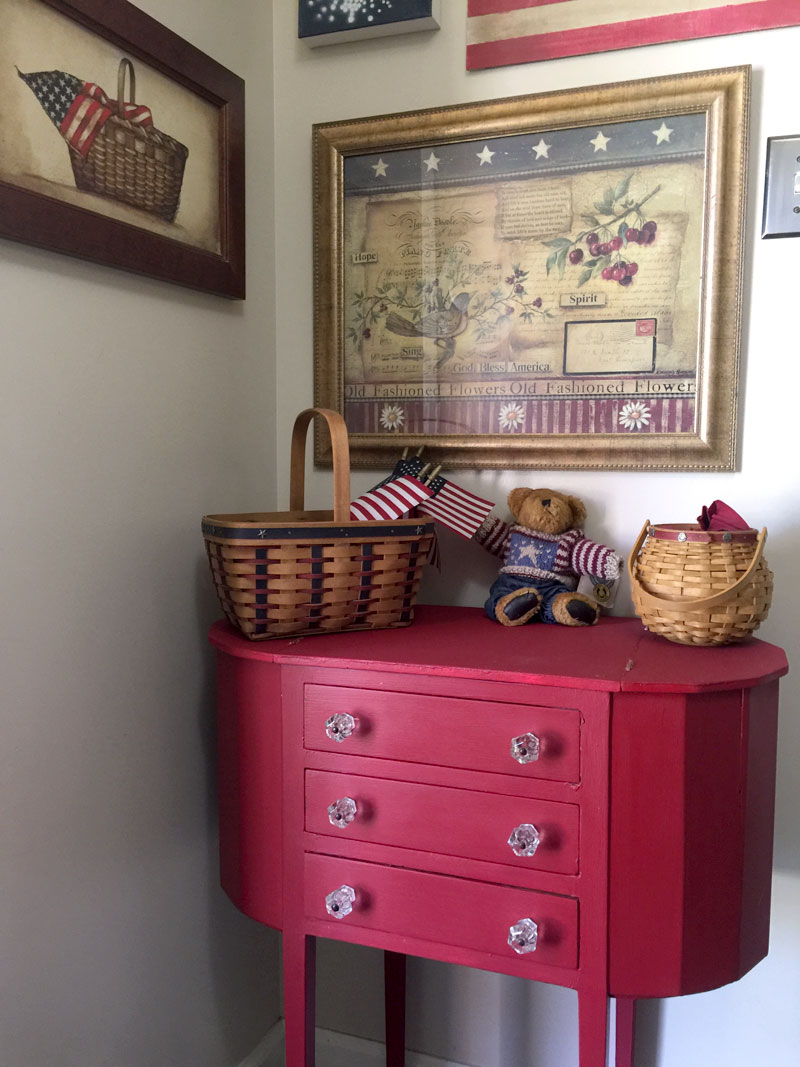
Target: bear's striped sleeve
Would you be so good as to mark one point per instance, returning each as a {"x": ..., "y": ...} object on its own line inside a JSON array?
[
  {"x": 598, "y": 561},
  {"x": 493, "y": 534}
]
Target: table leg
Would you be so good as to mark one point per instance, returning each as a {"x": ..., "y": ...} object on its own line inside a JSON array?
[
  {"x": 625, "y": 1031},
  {"x": 592, "y": 1028},
  {"x": 394, "y": 971},
  {"x": 299, "y": 973}
]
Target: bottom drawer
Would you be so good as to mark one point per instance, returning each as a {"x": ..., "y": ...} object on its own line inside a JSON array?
[{"x": 444, "y": 910}]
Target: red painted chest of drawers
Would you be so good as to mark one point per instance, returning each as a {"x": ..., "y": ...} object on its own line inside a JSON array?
[{"x": 587, "y": 807}]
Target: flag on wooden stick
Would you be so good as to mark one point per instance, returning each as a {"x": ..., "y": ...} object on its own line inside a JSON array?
[
  {"x": 390, "y": 500},
  {"x": 454, "y": 507}
]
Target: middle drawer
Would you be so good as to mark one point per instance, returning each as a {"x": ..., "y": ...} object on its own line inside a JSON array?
[{"x": 444, "y": 821}]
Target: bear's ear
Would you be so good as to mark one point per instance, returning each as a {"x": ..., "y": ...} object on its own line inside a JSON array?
[
  {"x": 516, "y": 498},
  {"x": 578, "y": 510}
]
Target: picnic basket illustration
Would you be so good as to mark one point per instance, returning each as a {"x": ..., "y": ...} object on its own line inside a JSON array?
[{"x": 114, "y": 147}]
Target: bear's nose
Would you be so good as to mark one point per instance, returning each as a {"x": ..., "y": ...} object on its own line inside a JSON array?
[{"x": 546, "y": 503}]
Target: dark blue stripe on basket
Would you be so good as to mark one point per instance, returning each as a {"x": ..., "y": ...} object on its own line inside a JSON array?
[
  {"x": 366, "y": 581},
  {"x": 316, "y": 574},
  {"x": 408, "y": 600},
  {"x": 358, "y": 531}
]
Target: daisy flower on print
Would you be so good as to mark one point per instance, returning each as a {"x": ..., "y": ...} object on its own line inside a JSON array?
[
  {"x": 392, "y": 417},
  {"x": 634, "y": 415},
  {"x": 511, "y": 416}
]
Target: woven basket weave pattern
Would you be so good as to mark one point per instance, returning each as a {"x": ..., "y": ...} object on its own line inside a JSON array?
[
  {"x": 137, "y": 165},
  {"x": 672, "y": 582},
  {"x": 138, "y": 168},
  {"x": 299, "y": 573}
]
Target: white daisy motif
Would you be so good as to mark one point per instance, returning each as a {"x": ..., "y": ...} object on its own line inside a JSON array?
[
  {"x": 634, "y": 415},
  {"x": 511, "y": 416},
  {"x": 392, "y": 417}
]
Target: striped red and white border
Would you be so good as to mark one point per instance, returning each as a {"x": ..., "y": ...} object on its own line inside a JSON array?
[
  {"x": 572, "y": 415},
  {"x": 499, "y": 31}
]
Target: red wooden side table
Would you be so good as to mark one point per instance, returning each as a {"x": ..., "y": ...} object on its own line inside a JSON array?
[{"x": 586, "y": 807}]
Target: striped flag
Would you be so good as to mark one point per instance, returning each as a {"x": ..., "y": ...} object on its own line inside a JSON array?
[
  {"x": 502, "y": 32},
  {"x": 390, "y": 501},
  {"x": 78, "y": 109},
  {"x": 454, "y": 507}
]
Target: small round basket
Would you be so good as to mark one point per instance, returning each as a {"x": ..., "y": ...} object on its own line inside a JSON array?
[{"x": 700, "y": 587}]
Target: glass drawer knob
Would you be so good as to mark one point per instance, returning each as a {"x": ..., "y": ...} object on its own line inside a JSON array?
[
  {"x": 340, "y": 727},
  {"x": 342, "y": 812},
  {"x": 525, "y": 748},
  {"x": 340, "y": 902},
  {"x": 522, "y": 936},
  {"x": 524, "y": 840}
]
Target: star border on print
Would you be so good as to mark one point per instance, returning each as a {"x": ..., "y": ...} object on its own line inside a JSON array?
[
  {"x": 600, "y": 142},
  {"x": 662, "y": 133},
  {"x": 541, "y": 149},
  {"x": 432, "y": 162},
  {"x": 380, "y": 168},
  {"x": 485, "y": 156}
]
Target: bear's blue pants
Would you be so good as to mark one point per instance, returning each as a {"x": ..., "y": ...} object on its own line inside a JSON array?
[{"x": 548, "y": 589}]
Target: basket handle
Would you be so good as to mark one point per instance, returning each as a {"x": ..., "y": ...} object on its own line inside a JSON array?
[
  {"x": 125, "y": 64},
  {"x": 653, "y": 601},
  {"x": 341, "y": 462}
]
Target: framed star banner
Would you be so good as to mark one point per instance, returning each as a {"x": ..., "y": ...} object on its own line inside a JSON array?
[
  {"x": 548, "y": 281},
  {"x": 503, "y": 32},
  {"x": 121, "y": 143},
  {"x": 321, "y": 22}
]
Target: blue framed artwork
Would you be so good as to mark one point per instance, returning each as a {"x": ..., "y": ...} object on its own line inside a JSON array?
[{"x": 331, "y": 21}]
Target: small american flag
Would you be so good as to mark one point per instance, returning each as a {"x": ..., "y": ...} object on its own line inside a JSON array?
[
  {"x": 390, "y": 501},
  {"x": 454, "y": 507},
  {"x": 78, "y": 109}
]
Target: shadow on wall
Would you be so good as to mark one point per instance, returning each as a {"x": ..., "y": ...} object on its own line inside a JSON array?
[{"x": 244, "y": 957}]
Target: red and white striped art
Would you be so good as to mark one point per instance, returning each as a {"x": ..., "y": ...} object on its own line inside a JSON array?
[{"x": 503, "y": 32}]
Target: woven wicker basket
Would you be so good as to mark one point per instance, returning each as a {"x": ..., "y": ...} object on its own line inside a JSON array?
[
  {"x": 700, "y": 587},
  {"x": 309, "y": 572},
  {"x": 135, "y": 164}
]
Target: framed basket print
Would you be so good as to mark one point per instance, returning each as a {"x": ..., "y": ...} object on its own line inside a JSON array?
[
  {"x": 121, "y": 143},
  {"x": 548, "y": 281}
]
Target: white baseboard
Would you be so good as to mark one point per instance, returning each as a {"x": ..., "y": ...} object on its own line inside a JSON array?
[{"x": 335, "y": 1050}]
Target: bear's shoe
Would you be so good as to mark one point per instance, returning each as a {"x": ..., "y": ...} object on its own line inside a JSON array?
[
  {"x": 519, "y": 607},
  {"x": 575, "y": 609}
]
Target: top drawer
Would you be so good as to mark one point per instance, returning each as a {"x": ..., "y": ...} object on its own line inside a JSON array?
[{"x": 447, "y": 731}]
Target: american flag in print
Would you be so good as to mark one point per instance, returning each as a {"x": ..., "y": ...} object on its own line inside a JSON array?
[
  {"x": 454, "y": 507},
  {"x": 78, "y": 109},
  {"x": 502, "y": 32},
  {"x": 390, "y": 501}
]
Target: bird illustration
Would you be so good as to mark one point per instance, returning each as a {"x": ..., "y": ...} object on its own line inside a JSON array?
[{"x": 442, "y": 325}]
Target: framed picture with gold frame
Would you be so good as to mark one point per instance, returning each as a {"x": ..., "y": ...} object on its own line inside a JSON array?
[{"x": 547, "y": 281}]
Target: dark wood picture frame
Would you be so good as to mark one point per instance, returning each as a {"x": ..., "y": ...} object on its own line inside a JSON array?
[{"x": 59, "y": 226}]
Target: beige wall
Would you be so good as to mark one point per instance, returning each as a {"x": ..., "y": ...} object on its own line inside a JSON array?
[
  {"x": 476, "y": 1017},
  {"x": 129, "y": 408}
]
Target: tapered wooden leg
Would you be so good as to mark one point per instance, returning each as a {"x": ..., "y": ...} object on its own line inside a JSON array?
[
  {"x": 625, "y": 1031},
  {"x": 394, "y": 971},
  {"x": 592, "y": 1028},
  {"x": 299, "y": 973}
]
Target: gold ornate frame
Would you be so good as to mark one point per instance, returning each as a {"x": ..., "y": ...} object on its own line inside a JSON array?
[{"x": 721, "y": 99}]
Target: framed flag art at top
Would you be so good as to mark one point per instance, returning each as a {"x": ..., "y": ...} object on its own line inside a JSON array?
[
  {"x": 503, "y": 32},
  {"x": 548, "y": 281}
]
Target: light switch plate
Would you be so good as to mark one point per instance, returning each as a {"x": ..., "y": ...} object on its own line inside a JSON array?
[{"x": 782, "y": 188}]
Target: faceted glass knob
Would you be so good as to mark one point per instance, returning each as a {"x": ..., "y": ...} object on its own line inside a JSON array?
[
  {"x": 522, "y": 936},
  {"x": 525, "y": 748},
  {"x": 524, "y": 840},
  {"x": 340, "y": 902},
  {"x": 342, "y": 812},
  {"x": 340, "y": 727}
]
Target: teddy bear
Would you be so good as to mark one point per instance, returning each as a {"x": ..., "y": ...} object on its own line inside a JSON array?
[{"x": 544, "y": 553}]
